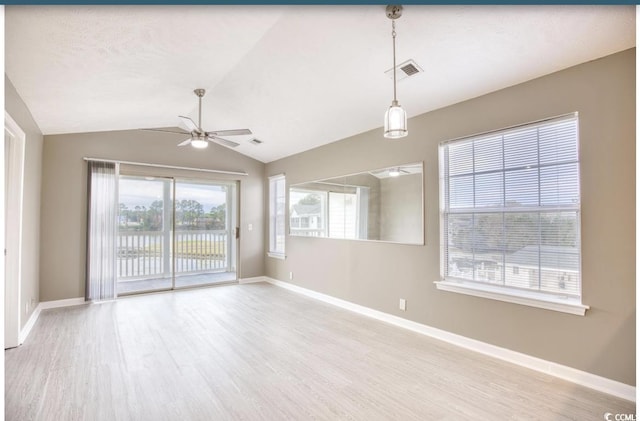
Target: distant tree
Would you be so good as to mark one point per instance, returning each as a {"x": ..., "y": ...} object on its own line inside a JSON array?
[
  {"x": 154, "y": 216},
  {"x": 511, "y": 232},
  {"x": 310, "y": 199},
  {"x": 188, "y": 212},
  {"x": 217, "y": 217}
]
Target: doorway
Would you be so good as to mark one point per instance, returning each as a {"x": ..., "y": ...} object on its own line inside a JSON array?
[{"x": 175, "y": 233}]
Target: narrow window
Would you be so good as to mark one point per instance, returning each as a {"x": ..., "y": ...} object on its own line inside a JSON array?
[{"x": 277, "y": 216}]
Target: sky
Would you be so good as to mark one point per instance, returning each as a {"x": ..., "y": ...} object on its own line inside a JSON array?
[{"x": 142, "y": 192}]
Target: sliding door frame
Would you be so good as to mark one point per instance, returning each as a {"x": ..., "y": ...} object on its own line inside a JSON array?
[{"x": 232, "y": 227}]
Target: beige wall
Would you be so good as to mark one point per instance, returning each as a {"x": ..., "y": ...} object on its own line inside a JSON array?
[
  {"x": 29, "y": 290},
  {"x": 64, "y": 175},
  {"x": 376, "y": 275}
]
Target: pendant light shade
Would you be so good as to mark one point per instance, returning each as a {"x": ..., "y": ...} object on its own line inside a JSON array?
[
  {"x": 395, "y": 122},
  {"x": 395, "y": 119}
]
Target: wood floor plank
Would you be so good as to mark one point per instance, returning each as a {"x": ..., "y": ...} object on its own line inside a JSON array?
[{"x": 259, "y": 352}]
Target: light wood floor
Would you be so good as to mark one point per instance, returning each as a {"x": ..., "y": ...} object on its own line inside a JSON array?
[{"x": 259, "y": 352}]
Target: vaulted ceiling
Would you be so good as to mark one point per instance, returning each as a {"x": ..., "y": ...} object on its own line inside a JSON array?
[{"x": 297, "y": 76}]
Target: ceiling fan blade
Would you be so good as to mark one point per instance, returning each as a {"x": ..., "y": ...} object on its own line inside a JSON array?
[
  {"x": 222, "y": 141},
  {"x": 185, "y": 143},
  {"x": 188, "y": 123},
  {"x": 236, "y": 132},
  {"x": 166, "y": 131}
]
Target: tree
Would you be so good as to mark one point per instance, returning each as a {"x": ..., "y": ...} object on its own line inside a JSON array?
[
  {"x": 188, "y": 212},
  {"x": 310, "y": 199},
  {"x": 154, "y": 216},
  {"x": 217, "y": 217}
]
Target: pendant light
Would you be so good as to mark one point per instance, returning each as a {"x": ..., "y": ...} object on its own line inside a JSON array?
[{"x": 395, "y": 119}]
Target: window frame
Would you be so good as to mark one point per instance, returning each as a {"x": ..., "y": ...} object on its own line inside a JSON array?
[
  {"x": 485, "y": 289},
  {"x": 277, "y": 190}
]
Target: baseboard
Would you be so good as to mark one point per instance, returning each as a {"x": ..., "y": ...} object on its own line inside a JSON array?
[
  {"x": 24, "y": 332},
  {"x": 252, "y": 280},
  {"x": 573, "y": 375},
  {"x": 44, "y": 305}
]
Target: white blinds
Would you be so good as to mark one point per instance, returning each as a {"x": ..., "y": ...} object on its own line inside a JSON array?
[
  {"x": 102, "y": 228},
  {"x": 277, "y": 199},
  {"x": 510, "y": 207}
]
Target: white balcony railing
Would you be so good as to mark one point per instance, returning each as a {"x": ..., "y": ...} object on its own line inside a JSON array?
[{"x": 149, "y": 254}]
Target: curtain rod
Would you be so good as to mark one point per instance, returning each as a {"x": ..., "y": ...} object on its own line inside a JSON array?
[{"x": 174, "y": 167}]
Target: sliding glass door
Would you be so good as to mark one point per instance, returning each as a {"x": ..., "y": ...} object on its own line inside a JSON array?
[
  {"x": 175, "y": 233},
  {"x": 205, "y": 233},
  {"x": 144, "y": 242}
]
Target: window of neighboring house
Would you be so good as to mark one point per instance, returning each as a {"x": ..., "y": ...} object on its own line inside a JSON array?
[
  {"x": 277, "y": 208},
  {"x": 510, "y": 199}
]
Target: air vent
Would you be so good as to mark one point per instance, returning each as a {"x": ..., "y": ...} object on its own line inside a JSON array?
[
  {"x": 405, "y": 70},
  {"x": 255, "y": 142}
]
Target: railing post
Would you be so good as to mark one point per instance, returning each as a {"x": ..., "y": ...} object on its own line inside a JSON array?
[{"x": 167, "y": 227}]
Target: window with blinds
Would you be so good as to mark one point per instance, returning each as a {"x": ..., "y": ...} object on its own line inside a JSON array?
[
  {"x": 510, "y": 209},
  {"x": 277, "y": 199}
]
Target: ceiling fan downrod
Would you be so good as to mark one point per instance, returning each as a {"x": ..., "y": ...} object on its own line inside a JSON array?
[{"x": 200, "y": 93}]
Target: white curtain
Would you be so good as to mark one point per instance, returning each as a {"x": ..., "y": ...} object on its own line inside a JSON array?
[{"x": 102, "y": 230}]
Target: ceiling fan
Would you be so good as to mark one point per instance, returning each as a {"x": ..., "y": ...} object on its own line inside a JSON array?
[{"x": 199, "y": 138}]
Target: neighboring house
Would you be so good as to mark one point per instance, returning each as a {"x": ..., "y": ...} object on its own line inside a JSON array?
[
  {"x": 560, "y": 268},
  {"x": 307, "y": 219}
]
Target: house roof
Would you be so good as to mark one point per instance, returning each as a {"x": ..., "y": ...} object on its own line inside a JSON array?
[
  {"x": 306, "y": 210},
  {"x": 554, "y": 257}
]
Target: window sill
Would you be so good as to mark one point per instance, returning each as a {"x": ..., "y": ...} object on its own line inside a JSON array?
[
  {"x": 277, "y": 255},
  {"x": 531, "y": 299}
]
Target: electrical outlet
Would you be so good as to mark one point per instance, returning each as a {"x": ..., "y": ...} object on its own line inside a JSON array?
[
  {"x": 403, "y": 304},
  {"x": 290, "y": 275},
  {"x": 250, "y": 227}
]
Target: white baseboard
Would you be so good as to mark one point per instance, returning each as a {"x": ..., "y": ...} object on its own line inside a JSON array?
[
  {"x": 24, "y": 332},
  {"x": 43, "y": 306},
  {"x": 252, "y": 280},
  {"x": 573, "y": 375},
  {"x": 62, "y": 303}
]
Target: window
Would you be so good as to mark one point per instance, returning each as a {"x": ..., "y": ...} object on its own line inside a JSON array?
[
  {"x": 345, "y": 213},
  {"x": 510, "y": 215},
  {"x": 276, "y": 216}
]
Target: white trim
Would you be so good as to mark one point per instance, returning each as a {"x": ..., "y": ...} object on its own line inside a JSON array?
[
  {"x": 24, "y": 332},
  {"x": 525, "y": 298},
  {"x": 13, "y": 234},
  {"x": 275, "y": 255},
  {"x": 251, "y": 280},
  {"x": 173, "y": 167},
  {"x": 62, "y": 303},
  {"x": 44, "y": 306},
  {"x": 573, "y": 375}
]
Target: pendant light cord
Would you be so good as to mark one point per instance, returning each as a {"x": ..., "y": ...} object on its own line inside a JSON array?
[{"x": 393, "y": 34}]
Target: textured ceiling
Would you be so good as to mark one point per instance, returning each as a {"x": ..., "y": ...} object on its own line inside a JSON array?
[{"x": 297, "y": 76}]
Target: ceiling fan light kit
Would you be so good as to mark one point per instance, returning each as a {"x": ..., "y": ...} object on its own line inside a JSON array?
[
  {"x": 199, "y": 138},
  {"x": 395, "y": 119},
  {"x": 199, "y": 143}
]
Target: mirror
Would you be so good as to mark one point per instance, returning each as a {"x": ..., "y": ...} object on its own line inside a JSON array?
[{"x": 378, "y": 205}]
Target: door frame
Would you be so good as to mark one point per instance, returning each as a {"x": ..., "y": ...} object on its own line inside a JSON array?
[
  {"x": 232, "y": 228},
  {"x": 13, "y": 226}
]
